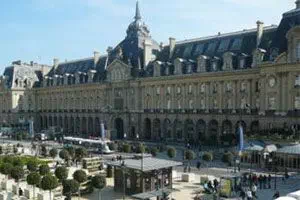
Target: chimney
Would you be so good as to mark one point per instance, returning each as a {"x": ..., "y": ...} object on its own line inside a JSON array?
[
  {"x": 147, "y": 52},
  {"x": 96, "y": 58},
  {"x": 260, "y": 32},
  {"x": 297, "y": 4},
  {"x": 172, "y": 43},
  {"x": 55, "y": 62}
]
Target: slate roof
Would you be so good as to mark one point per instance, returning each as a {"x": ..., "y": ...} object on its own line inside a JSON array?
[
  {"x": 149, "y": 164},
  {"x": 215, "y": 46}
]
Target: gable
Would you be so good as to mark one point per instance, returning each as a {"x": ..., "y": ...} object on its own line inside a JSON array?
[{"x": 118, "y": 71}]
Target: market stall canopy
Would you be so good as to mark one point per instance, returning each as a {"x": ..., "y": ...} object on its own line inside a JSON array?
[
  {"x": 295, "y": 195},
  {"x": 294, "y": 149},
  {"x": 253, "y": 147},
  {"x": 156, "y": 193},
  {"x": 270, "y": 148}
]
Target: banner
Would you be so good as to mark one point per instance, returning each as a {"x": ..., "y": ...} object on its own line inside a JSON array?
[
  {"x": 241, "y": 135},
  {"x": 102, "y": 131}
]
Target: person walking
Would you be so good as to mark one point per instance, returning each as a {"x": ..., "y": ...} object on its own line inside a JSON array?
[
  {"x": 269, "y": 181},
  {"x": 249, "y": 194},
  {"x": 254, "y": 189},
  {"x": 260, "y": 180}
]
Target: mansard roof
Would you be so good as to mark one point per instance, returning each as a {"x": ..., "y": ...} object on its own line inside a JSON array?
[{"x": 241, "y": 42}]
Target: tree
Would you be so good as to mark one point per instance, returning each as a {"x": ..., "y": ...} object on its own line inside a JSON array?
[
  {"x": 99, "y": 182},
  {"x": 49, "y": 182},
  {"x": 17, "y": 161},
  {"x": 80, "y": 176},
  {"x": 44, "y": 169},
  {"x": 227, "y": 158},
  {"x": 71, "y": 151},
  {"x": 140, "y": 148},
  {"x": 70, "y": 187},
  {"x": 171, "y": 152},
  {"x": 43, "y": 150},
  {"x": 5, "y": 168},
  {"x": 154, "y": 151},
  {"x": 32, "y": 165},
  {"x": 126, "y": 148},
  {"x": 61, "y": 173},
  {"x": 17, "y": 173},
  {"x": 33, "y": 179},
  {"x": 80, "y": 153},
  {"x": 207, "y": 156},
  {"x": 15, "y": 149},
  {"x": 189, "y": 155},
  {"x": 53, "y": 153},
  {"x": 64, "y": 154}
]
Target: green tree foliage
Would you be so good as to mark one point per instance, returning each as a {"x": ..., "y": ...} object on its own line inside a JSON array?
[
  {"x": 140, "y": 148},
  {"x": 61, "y": 173},
  {"x": 80, "y": 176},
  {"x": 53, "y": 153},
  {"x": 171, "y": 152},
  {"x": 33, "y": 179},
  {"x": 227, "y": 157},
  {"x": 99, "y": 182},
  {"x": 5, "y": 168},
  {"x": 71, "y": 151},
  {"x": 113, "y": 146},
  {"x": 17, "y": 173},
  {"x": 70, "y": 187},
  {"x": 32, "y": 165},
  {"x": 154, "y": 151},
  {"x": 64, "y": 154},
  {"x": 207, "y": 156},
  {"x": 80, "y": 153},
  {"x": 44, "y": 169},
  {"x": 126, "y": 148},
  {"x": 189, "y": 155},
  {"x": 49, "y": 182}
]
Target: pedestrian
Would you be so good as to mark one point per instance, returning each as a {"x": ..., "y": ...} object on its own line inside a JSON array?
[
  {"x": 265, "y": 181},
  {"x": 198, "y": 165},
  {"x": 286, "y": 173},
  {"x": 249, "y": 194},
  {"x": 254, "y": 189},
  {"x": 260, "y": 180},
  {"x": 242, "y": 194},
  {"x": 216, "y": 183},
  {"x": 276, "y": 195},
  {"x": 20, "y": 192},
  {"x": 269, "y": 181}
]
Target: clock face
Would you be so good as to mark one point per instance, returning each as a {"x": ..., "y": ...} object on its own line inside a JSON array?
[{"x": 272, "y": 82}]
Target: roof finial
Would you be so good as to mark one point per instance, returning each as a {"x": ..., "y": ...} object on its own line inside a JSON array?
[
  {"x": 137, "y": 11},
  {"x": 297, "y": 4}
]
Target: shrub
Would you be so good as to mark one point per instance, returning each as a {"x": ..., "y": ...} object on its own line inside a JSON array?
[
  {"x": 113, "y": 146},
  {"x": 53, "y": 153},
  {"x": 80, "y": 176},
  {"x": 126, "y": 148},
  {"x": 140, "y": 148},
  {"x": 49, "y": 182},
  {"x": 171, "y": 152},
  {"x": 227, "y": 158},
  {"x": 44, "y": 169},
  {"x": 154, "y": 151},
  {"x": 32, "y": 165},
  {"x": 189, "y": 155},
  {"x": 17, "y": 173},
  {"x": 207, "y": 156},
  {"x": 61, "y": 173},
  {"x": 70, "y": 187},
  {"x": 80, "y": 153}
]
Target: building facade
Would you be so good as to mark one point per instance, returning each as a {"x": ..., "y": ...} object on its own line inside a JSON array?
[{"x": 196, "y": 89}]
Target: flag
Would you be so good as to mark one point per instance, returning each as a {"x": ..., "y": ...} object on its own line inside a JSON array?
[
  {"x": 241, "y": 134},
  {"x": 102, "y": 131}
]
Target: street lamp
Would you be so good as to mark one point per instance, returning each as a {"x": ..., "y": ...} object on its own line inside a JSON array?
[{"x": 125, "y": 135}]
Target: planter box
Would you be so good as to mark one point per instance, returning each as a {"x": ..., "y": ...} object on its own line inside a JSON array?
[{"x": 188, "y": 177}]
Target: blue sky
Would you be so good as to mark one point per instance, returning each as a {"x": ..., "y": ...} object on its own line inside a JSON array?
[{"x": 40, "y": 30}]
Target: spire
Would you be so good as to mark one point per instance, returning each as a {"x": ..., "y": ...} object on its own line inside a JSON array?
[
  {"x": 137, "y": 11},
  {"x": 297, "y": 4}
]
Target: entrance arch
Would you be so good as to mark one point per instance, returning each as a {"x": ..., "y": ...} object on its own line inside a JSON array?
[
  {"x": 77, "y": 124},
  {"x": 167, "y": 129},
  {"x": 83, "y": 126},
  {"x": 147, "y": 129},
  {"x": 156, "y": 129},
  {"x": 90, "y": 126},
  {"x": 213, "y": 127},
  {"x": 45, "y": 123},
  {"x": 178, "y": 129},
  {"x": 60, "y": 122},
  {"x": 189, "y": 129},
  {"x": 119, "y": 126},
  {"x": 200, "y": 129},
  {"x": 97, "y": 127},
  {"x": 66, "y": 125},
  {"x": 227, "y": 127}
]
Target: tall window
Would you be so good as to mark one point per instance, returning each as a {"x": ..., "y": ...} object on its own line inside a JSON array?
[
  {"x": 297, "y": 102},
  {"x": 297, "y": 81},
  {"x": 298, "y": 51},
  {"x": 169, "y": 104}
]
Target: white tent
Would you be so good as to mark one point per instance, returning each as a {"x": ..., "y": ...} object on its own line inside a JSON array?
[
  {"x": 286, "y": 198},
  {"x": 295, "y": 195}
]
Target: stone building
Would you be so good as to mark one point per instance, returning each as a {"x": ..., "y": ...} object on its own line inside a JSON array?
[{"x": 192, "y": 89}]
